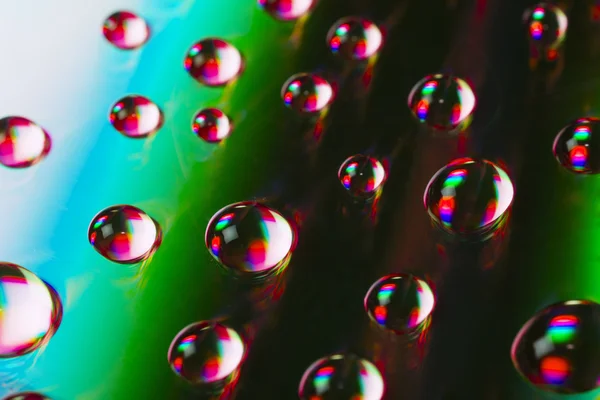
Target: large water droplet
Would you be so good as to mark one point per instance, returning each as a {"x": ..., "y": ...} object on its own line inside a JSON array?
[
  {"x": 206, "y": 353},
  {"x": 136, "y": 116},
  {"x": 22, "y": 142},
  {"x": 27, "y": 396},
  {"x": 307, "y": 93},
  {"x": 212, "y": 125},
  {"x": 213, "y": 62},
  {"x": 124, "y": 234},
  {"x": 341, "y": 376},
  {"x": 469, "y": 196},
  {"x": 126, "y": 30},
  {"x": 354, "y": 38},
  {"x": 286, "y": 10},
  {"x": 250, "y": 238},
  {"x": 442, "y": 102},
  {"x": 362, "y": 176},
  {"x": 547, "y": 25},
  {"x": 558, "y": 348},
  {"x": 577, "y": 146},
  {"x": 401, "y": 303},
  {"x": 30, "y": 311}
]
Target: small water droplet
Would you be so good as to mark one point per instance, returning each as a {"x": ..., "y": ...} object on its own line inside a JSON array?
[
  {"x": 213, "y": 62},
  {"x": 286, "y": 10},
  {"x": 401, "y": 303},
  {"x": 469, "y": 197},
  {"x": 442, "y": 102},
  {"x": 124, "y": 234},
  {"x": 354, "y": 38},
  {"x": 30, "y": 311},
  {"x": 250, "y": 238},
  {"x": 362, "y": 176},
  {"x": 307, "y": 93},
  {"x": 212, "y": 125},
  {"x": 126, "y": 30},
  {"x": 341, "y": 376},
  {"x": 23, "y": 143},
  {"x": 206, "y": 353},
  {"x": 547, "y": 25},
  {"x": 27, "y": 396},
  {"x": 577, "y": 146},
  {"x": 136, "y": 116},
  {"x": 558, "y": 350}
]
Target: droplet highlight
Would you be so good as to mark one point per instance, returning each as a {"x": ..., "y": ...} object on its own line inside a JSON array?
[
  {"x": 354, "y": 38},
  {"x": 124, "y": 234},
  {"x": 307, "y": 93},
  {"x": 206, "y": 353},
  {"x": 400, "y": 303},
  {"x": 30, "y": 311},
  {"x": 558, "y": 350},
  {"x": 442, "y": 102},
  {"x": 577, "y": 146},
  {"x": 286, "y": 10},
  {"x": 27, "y": 396},
  {"x": 212, "y": 125},
  {"x": 341, "y": 376},
  {"x": 362, "y": 176},
  {"x": 23, "y": 143},
  {"x": 249, "y": 238},
  {"x": 547, "y": 25},
  {"x": 213, "y": 62},
  {"x": 469, "y": 197},
  {"x": 136, "y": 117},
  {"x": 126, "y": 30}
]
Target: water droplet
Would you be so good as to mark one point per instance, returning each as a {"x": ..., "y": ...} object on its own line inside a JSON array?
[
  {"x": 469, "y": 196},
  {"x": 362, "y": 176},
  {"x": 401, "y": 303},
  {"x": 206, "y": 353},
  {"x": 307, "y": 93},
  {"x": 341, "y": 376},
  {"x": 212, "y": 125},
  {"x": 136, "y": 116},
  {"x": 443, "y": 102},
  {"x": 547, "y": 25},
  {"x": 354, "y": 38},
  {"x": 27, "y": 396},
  {"x": 124, "y": 234},
  {"x": 22, "y": 142},
  {"x": 30, "y": 311},
  {"x": 286, "y": 10},
  {"x": 250, "y": 238},
  {"x": 126, "y": 30},
  {"x": 213, "y": 62},
  {"x": 558, "y": 350},
  {"x": 577, "y": 146}
]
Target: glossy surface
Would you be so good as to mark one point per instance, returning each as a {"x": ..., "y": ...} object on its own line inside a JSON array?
[
  {"x": 362, "y": 176},
  {"x": 286, "y": 10},
  {"x": 213, "y": 62},
  {"x": 27, "y": 396},
  {"x": 354, "y": 38},
  {"x": 136, "y": 116},
  {"x": 126, "y": 30},
  {"x": 307, "y": 93},
  {"x": 577, "y": 146},
  {"x": 23, "y": 143},
  {"x": 211, "y": 125},
  {"x": 558, "y": 348}
]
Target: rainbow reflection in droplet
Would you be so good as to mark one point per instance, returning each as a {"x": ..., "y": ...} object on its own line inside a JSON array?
[
  {"x": 442, "y": 102},
  {"x": 577, "y": 146},
  {"x": 362, "y": 176},
  {"x": 213, "y": 62},
  {"x": 558, "y": 349},
  {"x": 23, "y": 143},
  {"x": 307, "y": 93},
  {"x": 547, "y": 25},
  {"x": 26, "y": 396},
  {"x": 124, "y": 234},
  {"x": 341, "y": 376},
  {"x": 206, "y": 353},
  {"x": 401, "y": 303},
  {"x": 30, "y": 311},
  {"x": 136, "y": 116},
  {"x": 354, "y": 38},
  {"x": 211, "y": 125},
  {"x": 250, "y": 238},
  {"x": 469, "y": 196},
  {"x": 286, "y": 10},
  {"x": 126, "y": 30}
]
